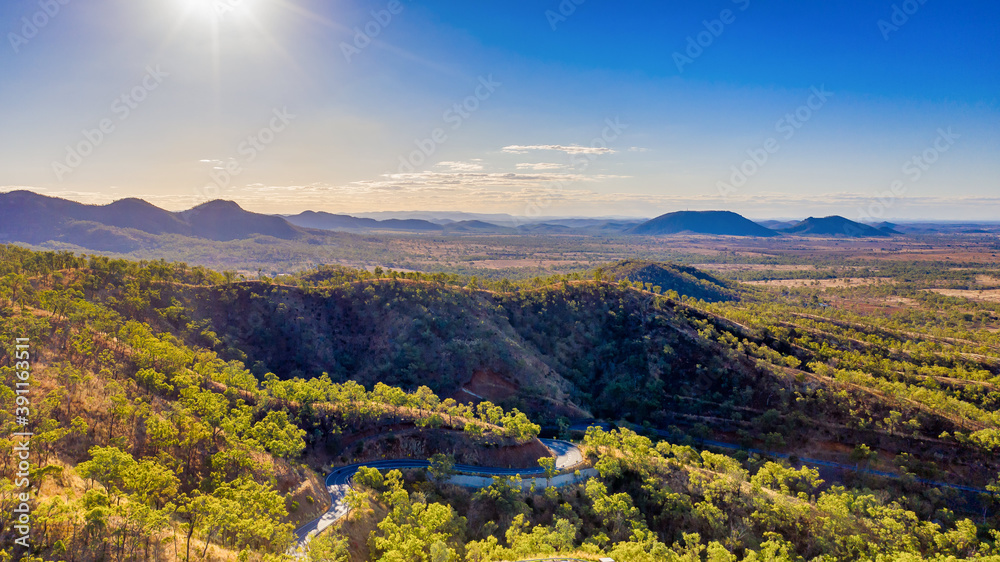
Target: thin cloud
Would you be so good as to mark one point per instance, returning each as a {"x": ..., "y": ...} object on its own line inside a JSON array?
[
  {"x": 571, "y": 149},
  {"x": 475, "y": 165},
  {"x": 420, "y": 180},
  {"x": 541, "y": 166}
]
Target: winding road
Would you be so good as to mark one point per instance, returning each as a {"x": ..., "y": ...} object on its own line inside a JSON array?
[
  {"x": 815, "y": 463},
  {"x": 840, "y": 466},
  {"x": 338, "y": 482}
]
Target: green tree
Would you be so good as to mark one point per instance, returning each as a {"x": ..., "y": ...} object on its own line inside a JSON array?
[
  {"x": 278, "y": 435},
  {"x": 328, "y": 547},
  {"x": 863, "y": 454},
  {"x": 109, "y": 466},
  {"x": 548, "y": 464},
  {"x": 442, "y": 467}
]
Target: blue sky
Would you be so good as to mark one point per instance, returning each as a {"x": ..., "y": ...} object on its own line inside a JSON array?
[{"x": 871, "y": 109}]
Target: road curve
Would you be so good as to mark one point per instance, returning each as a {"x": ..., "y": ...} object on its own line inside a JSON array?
[
  {"x": 338, "y": 483},
  {"x": 805, "y": 461}
]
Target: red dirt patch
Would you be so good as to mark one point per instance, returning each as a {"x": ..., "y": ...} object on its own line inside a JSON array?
[
  {"x": 520, "y": 456},
  {"x": 486, "y": 385},
  {"x": 408, "y": 442}
]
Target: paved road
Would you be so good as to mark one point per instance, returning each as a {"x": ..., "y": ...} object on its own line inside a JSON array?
[
  {"x": 567, "y": 454},
  {"x": 555, "y": 560},
  {"x": 338, "y": 482},
  {"x": 803, "y": 460},
  {"x": 841, "y": 466}
]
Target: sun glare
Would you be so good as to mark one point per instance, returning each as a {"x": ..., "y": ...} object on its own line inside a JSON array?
[{"x": 217, "y": 9}]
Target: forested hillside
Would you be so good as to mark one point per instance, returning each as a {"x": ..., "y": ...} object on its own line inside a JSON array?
[
  {"x": 149, "y": 448},
  {"x": 185, "y": 414},
  {"x": 568, "y": 348}
]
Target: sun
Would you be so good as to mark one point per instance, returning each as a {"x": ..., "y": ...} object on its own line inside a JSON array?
[{"x": 217, "y": 9}]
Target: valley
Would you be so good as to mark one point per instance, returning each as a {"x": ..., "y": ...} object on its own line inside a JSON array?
[
  {"x": 560, "y": 281},
  {"x": 222, "y": 236},
  {"x": 776, "y": 376}
]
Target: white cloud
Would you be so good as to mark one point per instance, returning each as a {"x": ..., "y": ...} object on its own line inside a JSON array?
[
  {"x": 541, "y": 166},
  {"x": 474, "y": 165},
  {"x": 638, "y": 149},
  {"x": 428, "y": 190},
  {"x": 451, "y": 180},
  {"x": 571, "y": 149}
]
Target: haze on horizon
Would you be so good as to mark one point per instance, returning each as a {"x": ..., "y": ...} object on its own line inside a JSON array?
[{"x": 875, "y": 110}]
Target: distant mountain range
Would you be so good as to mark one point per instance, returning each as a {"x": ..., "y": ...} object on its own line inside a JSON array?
[
  {"x": 778, "y": 225},
  {"x": 719, "y": 223},
  {"x": 32, "y": 218},
  {"x": 726, "y": 223},
  {"x": 715, "y": 223},
  {"x": 128, "y": 224},
  {"x": 499, "y": 219},
  {"x": 435, "y": 223},
  {"x": 328, "y": 221},
  {"x": 837, "y": 226}
]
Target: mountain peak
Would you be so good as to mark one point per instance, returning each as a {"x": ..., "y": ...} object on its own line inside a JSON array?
[
  {"x": 716, "y": 223},
  {"x": 226, "y": 220},
  {"x": 22, "y": 193},
  {"x": 131, "y": 203},
  {"x": 218, "y": 205},
  {"x": 836, "y": 226},
  {"x": 686, "y": 280}
]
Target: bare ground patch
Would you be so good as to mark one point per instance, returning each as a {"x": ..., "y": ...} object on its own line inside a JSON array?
[
  {"x": 990, "y": 295},
  {"x": 839, "y": 283}
]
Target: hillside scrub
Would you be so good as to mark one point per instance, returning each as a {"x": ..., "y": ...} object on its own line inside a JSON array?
[
  {"x": 174, "y": 407},
  {"x": 656, "y": 502}
]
